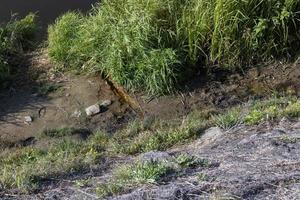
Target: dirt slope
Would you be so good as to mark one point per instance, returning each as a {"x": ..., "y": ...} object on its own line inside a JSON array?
[{"x": 260, "y": 162}]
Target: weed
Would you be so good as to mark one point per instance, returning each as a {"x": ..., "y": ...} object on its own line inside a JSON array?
[
  {"x": 288, "y": 140},
  {"x": 202, "y": 177},
  {"x": 273, "y": 108},
  {"x": 82, "y": 183},
  {"x": 185, "y": 160},
  {"x": 161, "y": 138},
  {"x": 134, "y": 175},
  {"x": 229, "y": 119}
]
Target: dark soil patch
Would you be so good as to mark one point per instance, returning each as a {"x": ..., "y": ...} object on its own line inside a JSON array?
[{"x": 220, "y": 90}]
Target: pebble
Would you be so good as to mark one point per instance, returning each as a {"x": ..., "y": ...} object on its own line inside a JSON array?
[
  {"x": 28, "y": 119},
  {"x": 93, "y": 110}
]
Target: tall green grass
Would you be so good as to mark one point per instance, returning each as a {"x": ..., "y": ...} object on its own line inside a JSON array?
[
  {"x": 15, "y": 37},
  {"x": 154, "y": 44}
]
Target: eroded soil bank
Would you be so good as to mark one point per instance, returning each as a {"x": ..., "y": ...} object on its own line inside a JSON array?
[{"x": 247, "y": 162}]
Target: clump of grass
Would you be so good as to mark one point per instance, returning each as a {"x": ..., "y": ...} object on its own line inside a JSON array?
[
  {"x": 64, "y": 36},
  {"x": 288, "y": 140},
  {"x": 161, "y": 138},
  {"x": 15, "y": 37},
  {"x": 27, "y": 167},
  {"x": 202, "y": 177},
  {"x": 229, "y": 119},
  {"x": 134, "y": 175},
  {"x": 185, "y": 160},
  {"x": 152, "y": 45},
  {"x": 273, "y": 108}
]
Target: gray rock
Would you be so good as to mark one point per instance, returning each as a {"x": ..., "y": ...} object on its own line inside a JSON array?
[
  {"x": 155, "y": 156},
  {"x": 210, "y": 135},
  {"x": 93, "y": 110}
]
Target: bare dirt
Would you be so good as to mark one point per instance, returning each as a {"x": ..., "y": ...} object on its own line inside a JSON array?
[
  {"x": 57, "y": 101},
  {"x": 220, "y": 90}
]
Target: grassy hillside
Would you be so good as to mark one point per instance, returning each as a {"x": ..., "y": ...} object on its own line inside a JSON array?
[
  {"x": 152, "y": 45},
  {"x": 15, "y": 37}
]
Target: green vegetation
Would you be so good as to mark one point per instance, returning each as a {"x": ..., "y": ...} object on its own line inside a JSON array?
[
  {"x": 287, "y": 139},
  {"x": 66, "y": 155},
  {"x": 229, "y": 119},
  {"x": 152, "y": 45},
  {"x": 185, "y": 160},
  {"x": 161, "y": 138},
  {"x": 146, "y": 172},
  {"x": 15, "y": 37},
  {"x": 202, "y": 177},
  {"x": 25, "y": 168},
  {"x": 274, "y": 108},
  {"x": 134, "y": 175}
]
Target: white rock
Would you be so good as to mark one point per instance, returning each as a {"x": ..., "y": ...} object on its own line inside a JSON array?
[
  {"x": 92, "y": 110},
  {"x": 28, "y": 119}
]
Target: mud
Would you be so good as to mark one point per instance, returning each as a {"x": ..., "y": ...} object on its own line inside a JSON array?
[
  {"x": 220, "y": 90},
  {"x": 62, "y": 107}
]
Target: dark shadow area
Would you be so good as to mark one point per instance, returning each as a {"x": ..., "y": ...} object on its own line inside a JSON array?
[{"x": 47, "y": 11}]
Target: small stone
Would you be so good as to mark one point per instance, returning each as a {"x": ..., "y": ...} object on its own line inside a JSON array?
[
  {"x": 28, "y": 119},
  {"x": 210, "y": 136},
  {"x": 92, "y": 110},
  {"x": 106, "y": 103},
  {"x": 68, "y": 94}
]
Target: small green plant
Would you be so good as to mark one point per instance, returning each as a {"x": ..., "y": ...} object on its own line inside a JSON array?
[
  {"x": 202, "y": 177},
  {"x": 185, "y": 160},
  {"x": 288, "y": 140},
  {"x": 229, "y": 119},
  {"x": 254, "y": 117},
  {"x": 293, "y": 109},
  {"x": 82, "y": 183},
  {"x": 274, "y": 108},
  {"x": 188, "y": 161},
  {"x": 134, "y": 175}
]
